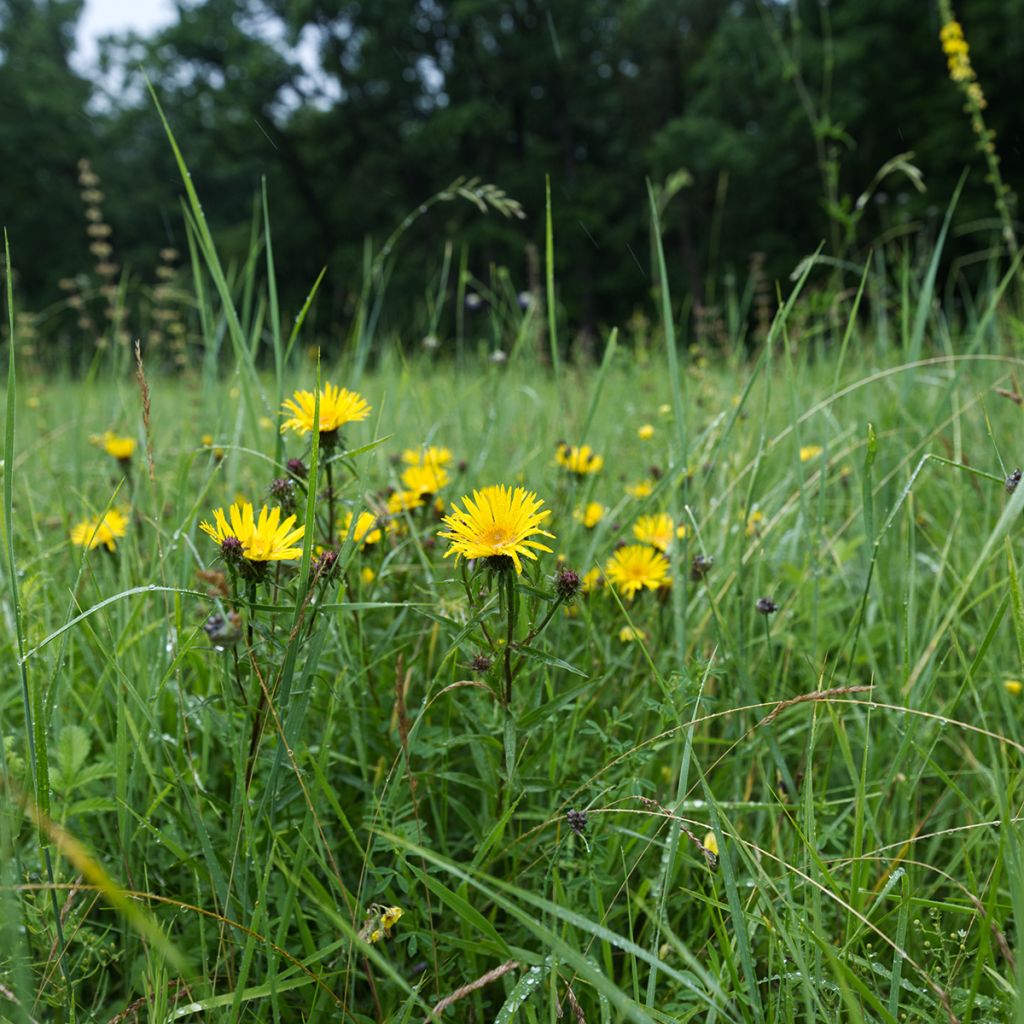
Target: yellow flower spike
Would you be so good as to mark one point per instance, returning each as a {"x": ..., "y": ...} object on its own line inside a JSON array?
[
  {"x": 497, "y": 523},
  {"x": 106, "y": 529},
  {"x": 581, "y": 461},
  {"x": 636, "y": 566},
  {"x": 338, "y": 406}
]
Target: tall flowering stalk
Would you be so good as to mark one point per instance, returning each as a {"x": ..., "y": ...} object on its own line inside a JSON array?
[{"x": 963, "y": 75}]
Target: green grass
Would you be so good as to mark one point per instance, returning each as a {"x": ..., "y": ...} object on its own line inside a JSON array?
[{"x": 195, "y": 826}]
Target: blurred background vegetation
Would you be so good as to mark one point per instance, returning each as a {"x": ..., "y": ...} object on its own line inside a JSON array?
[{"x": 760, "y": 124}]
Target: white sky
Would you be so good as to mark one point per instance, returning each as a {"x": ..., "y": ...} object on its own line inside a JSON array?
[{"x": 103, "y": 16}]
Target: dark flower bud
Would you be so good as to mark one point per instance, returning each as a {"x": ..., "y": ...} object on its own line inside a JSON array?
[
  {"x": 325, "y": 566},
  {"x": 701, "y": 567},
  {"x": 567, "y": 584},
  {"x": 481, "y": 663},
  {"x": 1012, "y": 480},
  {"x": 766, "y": 606},
  {"x": 281, "y": 490},
  {"x": 577, "y": 821},
  {"x": 655, "y": 471},
  {"x": 297, "y": 468}
]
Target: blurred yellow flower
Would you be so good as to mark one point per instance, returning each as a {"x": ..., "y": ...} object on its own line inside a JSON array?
[
  {"x": 628, "y": 634},
  {"x": 367, "y": 575},
  {"x": 425, "y": 478},
  {"x": 657, "y": 530},
  {"x": 590, "y": 515},
  {"x": 646, "y": 432},
  {"x": 497, "y": 523},
  {"x": 118, "y": 447},
  {"x": 91, "y": 533},
  {"x": 338, "y": 406},
  {"x": 367, "y": 529},
  {"x": 582, "y": 460},
  {"x": 636, "y": 566},
  {"x": 404, "y": 501},
  {"x": 1013, "y": 686},
  {"x": 640, "y": 490},
  {"x": 432, "y": 455},
  {"x": 754, "y": 521},
  {"x": 810, "y": 451}
]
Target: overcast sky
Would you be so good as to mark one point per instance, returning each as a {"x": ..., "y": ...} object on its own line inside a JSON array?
[{"x": 103, "y": 16}]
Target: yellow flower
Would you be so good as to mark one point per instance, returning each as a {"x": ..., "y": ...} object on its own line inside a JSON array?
[
  {"x": 432, "y": 455},
  {"x": 646, "y": 432},
  {"x": 116, "y": 446},
  {"x": 681, "y": 531},
  {"x": 367, "y": 529},
  {"x": 754, "y": 521},
  {"x": 91, "y": 533},
  {"x": 497, "y": 522},
  {"x": 810, "y": 451},
  {"x": 628, "y": 634},
  {"x": 376, "y": 935},
  {"x": 590, "y": 515},
  {"x": 711, "y": 843},
  {"x": 592, "y": 579},
  {"x": 367, "y": 575},
  {"x": 338, "y": 406},
  {"x": 1013, "y": 687},
  {"x": 636, "y": 566},
  {"x": 424, "y": 478},
  {"x": 264, "y": 540},
  {"x": 640, "y": 490},
  {"x": 404, "y": 501},
  {"x": 582, "y": 460},
  {"x": 389, "y": 918},
  {"x": 657, "y": 530}
]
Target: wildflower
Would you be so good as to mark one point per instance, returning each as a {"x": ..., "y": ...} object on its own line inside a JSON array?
[
  {"x": 577, "y": 821},
  {"x": 590, "y": 515},
  {"x": 567, "y": 584},
  {"x": 1013, "y": 687},
  {"x": 264, "y": 540},
  {"x": 754, "y": 521},
  {"x": 499, "y": 524},
  {"x": 957, "y": 52},
  {"x": 404, "y": 501},
  {"x": 1012, "y": 481},
  {"x": 481, "y": 663},
  {"x": 338, "y": 406},
  {"x": 367, "y": 575},
  {"x": 432, "y": 455},
  {"x": 379, "y": 923},
  {"x": 628, "y": 634},
  {"x": 656, "y": 530},
  {"x": 424, "y": 479},
  {"x": 810, "y": 451},
  {"x": 646, "y": 432},
  {"x": 207, "y": 441},
  {"x": 700, "y": 567},
  {"x": 592, "y": 579},
  {"x": 581, "y": 461},
  {"x": 91, "y": 533},
  {"x": 389, "y": 918},
  {"x": 282, "y": 490},
  {"x": 640, "y": 490},
  {"x": 766, "y": 606},
  {"x": 116, "y": 446},
  {"x": 636, "y": 566},
  {"x": 367, "y": 528}
]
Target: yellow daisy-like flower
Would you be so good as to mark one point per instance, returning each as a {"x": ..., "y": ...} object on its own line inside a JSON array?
[
  {"x": 657, "y": 530},
  {"x": 367, "y": 530},
  {"x": 582, "y": 460},
  {"x": 590, "y": 515},
  {"x": 497, "y": 522},
  {"x": 91, "y": 533},
  {"x": 640, "y": 490},
  {"x": 646, "y": 432},
  {"x": 266, "y": 539},
  {"x": 338, "y": 406},
  {"x": 636, "y": 566},
  {"x": 432, "y": 455},
  {"x": 116, "y": 446},
  {"x": 404, "y": 501},
  {"x": 424, "y": 478},
  {"x": 810, "y": 451}
]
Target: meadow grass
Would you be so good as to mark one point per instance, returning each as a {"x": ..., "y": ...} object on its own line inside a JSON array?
[{"x": 391, "y": 785}]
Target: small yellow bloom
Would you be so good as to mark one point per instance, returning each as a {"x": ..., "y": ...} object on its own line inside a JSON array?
[
  {"x": 367, "y": 530},
  {"x": 432, "y": 455},
  {"x": 497, "y": 522},
  {"x": 711, "y": 843},
  {"x": 754, "y": 521},
  {"x": 628, "y": 634},
  {"x": 582, "y": 460},
  {"x": 656, "y": 530},
  {"x": 590, "y": 515},
  {"x": 424, "y": 478},
  {"x": 367, "y": 575},
  {"x": 376, "y": 935},
  {"x": 681, "y": 531},
  {"x": 404, "y": 501},
  {"x": 636, "y": 566},
  {"x": 592, "y": 580},
  {"x": 338, "y": 406},
  {"x": 640, "y": 490},
  {"x": 91, "y": 533},
  {"x": 646, "y": 432},
  {"x": 390, "y": 918},
  {"x": 116, "y": 446},
  {"x": 810, "y": 451},
  {"x": 1013, "y": 687}
]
